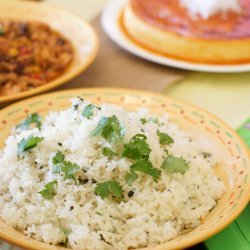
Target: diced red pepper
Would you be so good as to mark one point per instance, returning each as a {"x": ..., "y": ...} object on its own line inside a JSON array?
[
  {"x": 24, "y": 51},
  {"x": 37, "y": 76}
]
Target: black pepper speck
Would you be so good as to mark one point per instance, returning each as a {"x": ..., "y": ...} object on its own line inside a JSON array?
[{"x": 130, "y": 194}]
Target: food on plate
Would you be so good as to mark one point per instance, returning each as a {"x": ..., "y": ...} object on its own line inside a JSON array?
[
  {"x": 99, "y": 177},
  {"x": 209, "y": 31},
  {"x": 31, "y": 55}
]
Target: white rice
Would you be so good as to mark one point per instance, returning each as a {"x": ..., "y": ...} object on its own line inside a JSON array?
[{"x": 157, "y": 211}]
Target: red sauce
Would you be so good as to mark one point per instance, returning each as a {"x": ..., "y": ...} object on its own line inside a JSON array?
[
  {"x": 171, "y": 16},
  {"x": 139, "y": 44}
]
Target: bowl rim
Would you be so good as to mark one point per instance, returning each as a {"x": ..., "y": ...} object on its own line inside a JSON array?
[
  {"x": 64, "y": 77},
  {"x": 125, "y": 91}
]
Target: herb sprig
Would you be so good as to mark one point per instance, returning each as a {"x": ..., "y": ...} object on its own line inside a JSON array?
[
  {"x": 175, "y": 165},
  {"x": 49, "y": 191},
  {"x": 164, "y": 138},
  {"x": 143, "y": 121},
  {"x": 108, "y": 152},
  {"x": 88, "y": 111},
  {"x": 109, "y": 188},
  {"x": 131, "y": 177},
  {"x": 34, "y": 118},
  {"x": 110, "y": 129},
  {"x": 27, "y": 144},
  {"x": 146, "y": 167},
  {"x": 61, "y": 165},
  {"x": 137, "y": 148}
]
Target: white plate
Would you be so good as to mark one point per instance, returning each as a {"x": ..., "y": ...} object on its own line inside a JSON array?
[{"x": 110, "y": 23}]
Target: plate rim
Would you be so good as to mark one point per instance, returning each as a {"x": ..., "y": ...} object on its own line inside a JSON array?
[
  {"x": 62, "y": 79},
  {"x": 110, "y": 24}
]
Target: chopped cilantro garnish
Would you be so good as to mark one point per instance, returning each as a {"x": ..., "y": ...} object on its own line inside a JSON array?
[
  {"x": 154, "y": 120},
  {"x": 108, "y": 152},
  {"x": 109, "y": 188},
  {"x": 63, "y": 228},
  {"x": 110, "y": 129},
  {"x": 137, "y": 148},
  {"x": 69, "y": 169},
  {"x": 88, "y": 111},
  {"x": 131, "y": 177},
  {"x": 164, "y": 138},
  {"x": 146, "y": 167},
  {"x": 143, "y": 121},
  {"x": 99, "y": 213},
  {"x": 1, "y": 31},
  {"x": 175, "y": 165},
  {"x": 66, "y": 232},
  {"x": 76, "y": 106},
  {"x": 49, "y": 191},
  {"x": 60, "y": 165},
  {"x": 27, "y": 144},
  {"x": 58, "y": 158},
  {"x": 34, "y": 118}
]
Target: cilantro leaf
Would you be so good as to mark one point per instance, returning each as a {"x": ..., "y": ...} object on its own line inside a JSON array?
[
  {"x": 66, "y": 231},
  {"x": 175, "y": 165},
  {"x": 49, "y": 191},
  {"x": 143, "y": 121},
  {"x": 110, "y": 129},
  {"x": 164, "y": 138},
  {"x": 69, "y": 169},
  {"x": 109, "y": 188},
  {"x": 34, "y": 118},
  {"x": 146, "y": 167},
  {"x": 27, "y": 144},
  {"x": 60, "y": 165},
  {"x": 131, "y": 177},
  {"x": 137, "y": 148},
  {"x": 63, "y": 228},
  {"x": 154, "y": 120},
  {"x": 88, "y": 111},
  {"x": 58, "y": 158},
  {"x": 58, "y": 161},
  {"x": 1, "y": 31},
  {"x": 108, "y": 152}
]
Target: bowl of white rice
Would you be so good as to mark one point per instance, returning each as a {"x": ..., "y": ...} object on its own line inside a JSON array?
[{"x": 117, "y": 169}]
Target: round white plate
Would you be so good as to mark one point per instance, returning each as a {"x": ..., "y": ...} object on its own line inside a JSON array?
[{"x": 111, "y": 25}]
